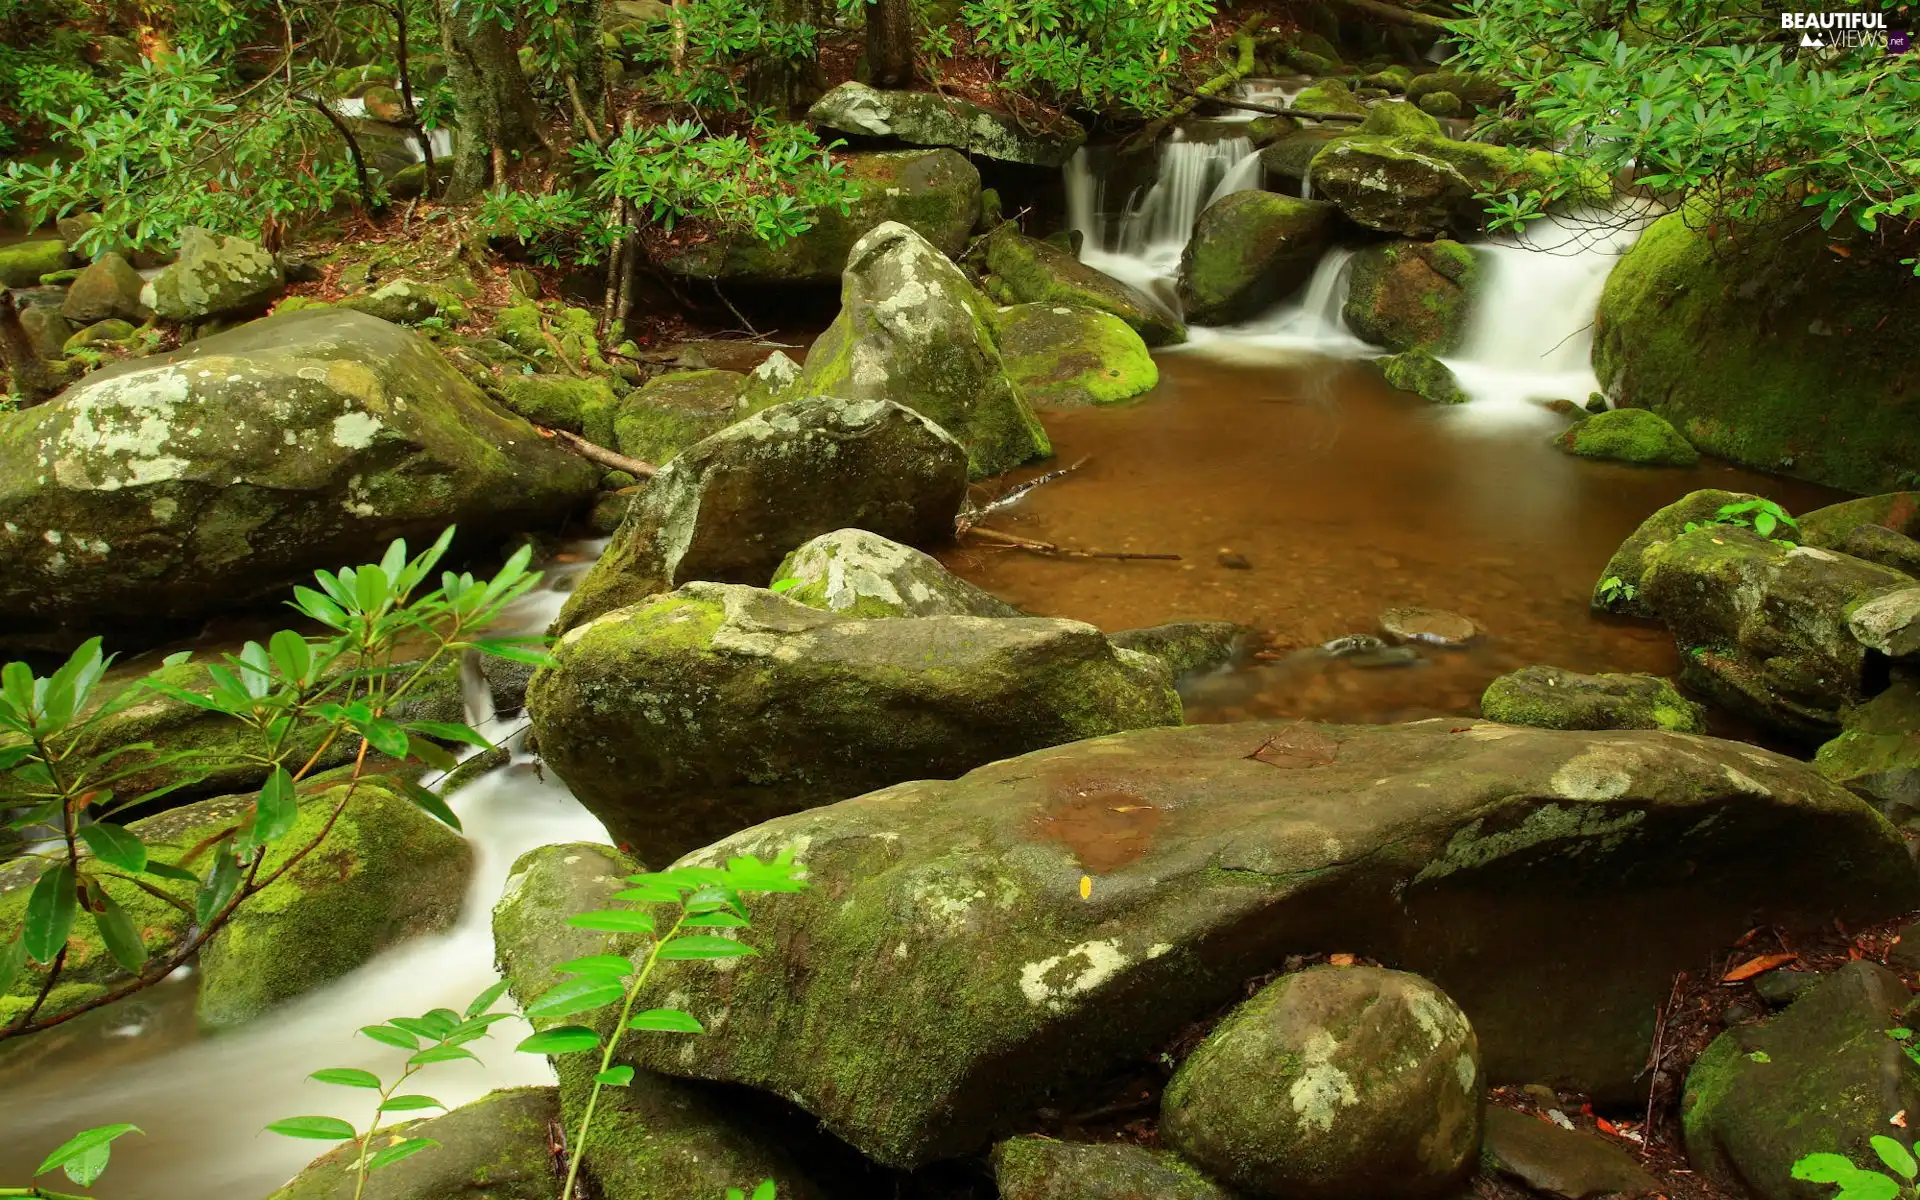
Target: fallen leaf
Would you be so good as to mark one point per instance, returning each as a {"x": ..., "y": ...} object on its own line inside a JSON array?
[
  {"x": 1606, "y": 1126},
  {"x": 1086, "y": 886},
  {"x": 1758, "y": 965},
  {"x": 1340, "y": 960},
  {"x": 1899, "y": 1118}
]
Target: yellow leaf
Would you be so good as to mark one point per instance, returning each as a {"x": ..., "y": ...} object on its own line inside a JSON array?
[{"x": 1086, "y": 886}]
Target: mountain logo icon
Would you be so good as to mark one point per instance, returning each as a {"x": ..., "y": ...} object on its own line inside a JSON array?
[{"x": 1811, "y": 41}]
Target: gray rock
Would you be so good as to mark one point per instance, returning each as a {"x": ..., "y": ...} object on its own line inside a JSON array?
[
  {"x": 214, "y": 276},
  {"x": 110, "y": 288},
  {"x": 928, "y": 119},
  {"x": 1877, "y": 752},
  {"x": 1878, "y": 544},
  {"x": 1188, "y": 647},
  {"x": 861, "y": 574},
  {"x": 496, "y": 1148},
  {"x": 1560, "y": 1162},
  {"x": 47, "y": 331},
  {"x": 1038, "y": 1168},
  {"x": 1889, "y": 623},
  {"x": 1431, "y": 626}
]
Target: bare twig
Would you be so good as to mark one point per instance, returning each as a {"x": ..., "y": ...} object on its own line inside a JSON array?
[
  {"x": 969, "y": 518},
  {"x": 1052, "y": 550},
  {"x": 611, "y": 459}
]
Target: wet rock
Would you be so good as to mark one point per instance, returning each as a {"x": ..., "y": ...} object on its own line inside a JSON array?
[
  {"x": 1560, "y": 1162},
  {"x": 927, "y": 119},
  {"x": 1059, "y": 356},
  {"x": 497, "y": 1147},
  {"x": 936, "y": 193},
  {"x": 1823, "y": 1076},
  {"x": 214, "y": 276},
  {"x": 1331, "y": 95},
  {"x": 1188, "y": 647},
  {"x": 1551, "y": 698},
  {"x": 1877, "y": 753},
  {"x": 109, "y": 288},
  {"x": 861, "y": 574},
  {"x": 1631, "y": 435},
  {"x": 1395, "y": 189},
  {"x": 1408, "y": 295},
  {"x": 47, "y": 331},
  {"x": 1551, "y": 883},
  {"x": 1037, "y": 1168},
  {"x": 673, "y": 411},
  {"x": 1425, "y": 376},
  {"x": 1630, "y": 562},
  {"x": 1287, "y": 162},
  {"x": 1781, "y": 987},
  {"x": 692, "y": 715},
  {"x": 106, "y": 333},
  {"x": 1441, "y": 104},
  {"x": 1248, "y": 250},
  {"x": 23, "y": 263},
  {"x": 1395, "y": 117},
  {"x": 1889, "y": 623},
  {"x": 1905, "y": 954},
  {"x": 1878, "y": 544},
  {"x": 1762, "y": 627},
  {"x": 913, "y": 330},
  {"x": 409, "y": 302},
  {"x": 1433, "y": 626},
  {"x": 1897, "y": 512},
  {"x": 731, "y": 507},
  {"x": 1233, "y": 560},
  {"x": 177, "y": 485},
  {"x": 582, "y": 406},
  {"x": 1024, "y": 270},
  {"x": 1330, "y": 1083}
]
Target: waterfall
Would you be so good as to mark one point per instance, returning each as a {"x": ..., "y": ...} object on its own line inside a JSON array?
[{"x": 1190, "y": 176}]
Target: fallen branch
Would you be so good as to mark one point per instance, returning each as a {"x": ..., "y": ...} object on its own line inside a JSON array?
[
  {"x": 1272, "y": 109},
  {"x": 1055, "y": 551},
  {"x": 1010, "y": 497},
  {"x": 1393, "y": 14},
  {"x": 613, "y": 460}
]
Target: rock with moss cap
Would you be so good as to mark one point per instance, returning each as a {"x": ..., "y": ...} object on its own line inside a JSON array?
[
  {"x": 1405, "y": 295},
  {"x": 1629, "y": 435},
  {"x": 1476, "y": 90},
  {"x": 1419, "y": 372},
  {"x": 1391, "y": 187},
  {"x": 23, "y": 263},
  {"x": 913, "y": 330},
  {"x": 107, "y": 289},
  {"x": 583, "y": 406},
  {"x": 1060, "y": 356},
  {"x": 1189, "y": 647},
  {"x": 1821, "y": 1077},
  {"x": 1877, "y": 753},
  {"x": 101, "y": 334},
  {"x": 1896, "y": 512},
  {"x": 936, "y": 193},
  {"x": 1290, "y": 158},
  {"x": 1552, "y": 698},
  {"x": 1395, "y": 117},
  {"x": 1024, "y": 270},
  {"x": 47, "y": 331},
  {"x": 1330, "y": 95},
  {"x": 675, "y": 410},
  {"x": 214, "y": 276},
  {"x": 861, "y": 574},
  {"x": 498, "y": 1147},
  {"x": 1441, "y": 104},
  {"x": 1330, "y": 1083},
  {"x": 1249, "y": 250},
  {"x": 172, "y": 486},
  {"x": 928, "y": 119},
  {"x": 689, "y": 716},
  {"x": 409, "y": 302},
  {"x": 1630, "y": 562},
  {"x": 1039, "y": 1168}
]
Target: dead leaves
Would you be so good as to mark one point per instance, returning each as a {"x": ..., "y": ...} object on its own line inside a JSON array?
[{"x": 1758, "y": 965}]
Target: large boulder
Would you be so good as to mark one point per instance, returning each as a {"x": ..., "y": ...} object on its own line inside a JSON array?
[
  {"x": 1024, "y": 270},
  {"x": 1552, "y": 698},
  {"x": 929, "y": 119},
  {"x": 498, "y": 1147},
  {"x": 1775, "y": 352},
  {"x": 1395, "y": 189},
  {"x": 730, "y": 508},
  {"x": 1823, "y": 1077},
  {"x": 673, "y": 411},
  {"x": 1763, "y": 626},
  {"x": 689, "y": 716},
  {"x": 215, "y": 276},
  {"x": 1060, "y": 356},
  {"x": 970, "y": 946},
  {"x": 172, "y": 486},
  {"x": 1629, "y": 435},
  {"x": 861, "y": 574},
  {"x": 913, "y": 330},
  {"x": 1037, "y": 1168},
  {"x": 936, "y": 193},
  {"x": 108, "y": 289},
  {"x": 1330, "y": 1083},
  {"x": 1249, "y": 250},
  {"x": 1404, "y": 295},
  {"x": 1877, "y": 752},
  {"x": 1628, "y": 566}
]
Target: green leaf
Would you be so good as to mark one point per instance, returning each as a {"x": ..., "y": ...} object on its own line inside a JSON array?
[
  {"x": 785, "y": 585},
  {"x": 1897, "y": 1157},
  {"x": 390, "y": 1036},
  {"x": 450, "y": 731},
  {"x": 385, "y": 736},
  {"x": 613, "y": 920},
  {"x": 50, "y": 913},
  {"x": 698, "y": 946},
  {"x": 219, "y": 887},
  {"x": 579, "y": 995},
  {"x": 562, "y": 1039},
  {"x": 597, "y": 964},
  {"x": 515, "y": 650},
  {"x": 648, "y": 889},
  {"x": 665, "y": 1020},
  {"x": 485, "y": 1000},
  {"x": 434, "y": 1054},
  {"x": 765, "y": 1191},
  {"x": 275, "y": 808},
  {"x": 615, "y": 1076},
  {"x": 394, "y": 1153},
  {"x": 88, "y": 1146},
  {"x": 291, "y": 655},
  {"x": 1823, "y": 1168},
  {"x": 430, "y": 804},
  {"x": 352, "y": 1077},
  {"x": 431, "y": 753},
  {"x": 116, "y": 846},
  {"x": 169, "y": 871},
  {"x": 117, "y": 930},
  {"x": 13, "y": 960},
  {"x": 410, "y": 1104},
  {"x": 1868, "y": 1185},
  {"x": 320, "y": 1129}
]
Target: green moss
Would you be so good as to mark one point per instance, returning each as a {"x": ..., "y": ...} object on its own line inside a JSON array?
[
  {"x": 23, "y": 263},
  {"x": 1413, "y": 295},
  {"x": 1421, "y": 373},
  {"x": 1441, "y": 104},
  {"x": 1026, "y": 270},
  {"x": 1631, "y": 435},
  {"x": 1327, "y": 96},
  {"x": 1550, "y": 698},
  {"x": 1067, "y": 357},
  {"x": 1397, "y": 117},
  {"x": 673, "y": 411},
  {"x": 1248, "y": 250},
  {"x": 558, "y": 401}
]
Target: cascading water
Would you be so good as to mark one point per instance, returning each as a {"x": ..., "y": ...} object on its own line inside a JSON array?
[{"x": 1142, "y": 243}]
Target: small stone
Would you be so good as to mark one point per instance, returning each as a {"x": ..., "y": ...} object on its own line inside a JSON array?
[
  {"x": 1889, "y": 623},
  {"x": 1546, "y": 1097},
  {"x": 1780, "y": 988},
  {"x": 1630, "y": 435},
  {"x": 1234, "y": 561},
  {"x": 1552, "y": 698},
  {"x": 1434, "y": 626},
  {"x": 1558, "y": 1162},
  {"x": 1737, "y": 1014},
  {"x": 1419, "y": 372}
]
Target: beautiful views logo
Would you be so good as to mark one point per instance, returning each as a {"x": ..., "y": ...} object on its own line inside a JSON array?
[{"x": 1843, "y": 30}]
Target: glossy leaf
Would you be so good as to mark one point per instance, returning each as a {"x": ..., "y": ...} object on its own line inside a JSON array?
[
  {"x": 615, "y": 1076},
  {"x": 563, "y": 1039},
  {"x": 50, "y": 913},
  {"x": 1897, "y": 1157},
  {"x": 410, "y": 1104},
  {"x": 597, "y": 964},
  {"x": 394, "y": 1153},
  {"x": 485, "y": 1000},
  {"x": 613, "y": 920},
  {"x": 385, "y": 736},
  {"x": 117, "y": 930},
  {"x": 450, "y": 731},
  {"x": 665, "y": 1020},
  {"x": 13, "y": 961},
  {"x": 169, "y": 871},
  {"x": 352, "y": 1077},
  {"x": 219, "y": 887},
  {"x": 430, "y": 804},
  {"x": 116, "y": 845},
  {"x": 391, "y": 1036},
  {"x": 704, "y": 946},
  {"x": 84, "y": 1155},
  {"x": 275, "y": 808},
  {"x": 434, "y": 1054},
  {"x": 320, "y": 1129},
  {"x": 582, "y": 994}
]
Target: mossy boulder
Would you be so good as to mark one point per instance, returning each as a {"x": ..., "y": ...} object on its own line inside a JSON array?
[
  {"x": 100, "y": 334},
  {"x": 1248, "y": 251},
  {"x": 1441, "y": 104},
  {"x": 1330, "y": 1083},
  {"x": 177, "y": 485},
  {"x": 930, "y": 119},
  {"x": 675, "y": 410},
  {"x": 1773, "y": 351},
  {"x": 409, "y": 302},
  {"x": 583, "y": 406},
  {"x": 861, "y": 574},
  {"x": 1390, "y": 187},
  {"x": 23, "y": 263},
  {"x": 1897, "y": 512},
  {"x": 498, "y": 1147},
  {"x": 1630, "y": 562},
  {"x": 1188, "y": 647},
  {"x": 1395, "y": 117},
  {"x": 1629, "y": 435},
  {"x": 913, "y": 330},
  {"x": 1877, "y": 753},
  {"x": 214, "y": 277},
  {"x": 1059, "y": 356},
  {"x": 936, "y": 193},
  {"x": 1419, "y": 372},
  {"x": 1290, "y": 158},
  {"x": 1330, "y": 95},
  {"x": 1475, "y": 90},
  {"x": 1404, "y": 295},
  {"x": 1823, "y": 1077},
  {"x": 1025, "y": 270},
  {"x": 730, "y": 508},
  {"x": 1552, "y": 698},
  {"x": 541, "y": 333},
  {"x": 955, "y": 974},
  {"x": 1038, "y": 1168},
  {"x": 47, "y": 331},
  {"x": 689, "y": 716},
  {"x": 108, "y": 288},
  {"x": 1878, "y": 544}
]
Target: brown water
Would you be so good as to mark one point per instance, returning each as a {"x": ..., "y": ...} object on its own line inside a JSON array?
[{"x": 1344, "y": 498}]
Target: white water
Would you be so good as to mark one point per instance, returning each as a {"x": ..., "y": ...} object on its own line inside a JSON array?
[
  {"x": 441, "y": 140},
  {"x": 1140, "y": 241}
]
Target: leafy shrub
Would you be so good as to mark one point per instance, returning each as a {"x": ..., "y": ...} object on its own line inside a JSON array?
[{"x": 1104, "y": 55}]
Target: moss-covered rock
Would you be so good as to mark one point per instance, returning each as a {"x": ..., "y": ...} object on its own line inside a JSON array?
[
  {"x": 1405, "y": 295},
  {"x": 861, "y": 574},
  {"x": 673, "y": 411},
  {"x": 1774, "y": 351},
  {"x": 1476, "y": 90},
  {"x": 1822, "y": 1077},
  {"x": 1188, "y": 647},
  {"x": 1419, "y": 372},
  {"x": 730, "y": 508},
  {"x": 948, "y": 970},
  {"x": 770, "y": 383},
  {"x": 498, "y": 1147},
  {"x": 47, "y": 331},
  {"x": 1390, "y": 187},
  {"x": 929, "y": 119},
  {"x": 1630, "y": 562},
  {"x": 214, "y": 276},
  {"x": 1248, "y": 250},
  {"x": 692, "y": 715},
  {"x": 99, "y": 335},
  {"x": 408, "y": 302},
  {"x": 1877, "y": 753},
  {"x": 109, "y": 288},
  {"x": 1025, "y": 270},
  {"x": 1629, "y": 435},
  {"x": 1330, "y": 95},
  {"x": 1286, "y": 163},
  {"x": 1330, "y": 1083},
  {"x": 1441, "y": 104},
  {"x": 1059, "y": 356},
  {"x": 1878, "y": 544},
  {"x": 23, "y": 263},
  {"x": 583, "y": 406},
  {"x": 936, "y": 193},
  {"x": 1897, "y": 512},
  {"x": 1395, "y": 117},
  {"x": 172, "y": 486},
  {"x": 1038, "y": 1168},
  {"x": 913, "y": 330},
  {"x": 1552, "y": 698}
]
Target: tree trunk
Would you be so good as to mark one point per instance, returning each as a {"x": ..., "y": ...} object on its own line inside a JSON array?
[
  {"x": 31, "y": 379},
  {"x": 493, "y": 104},
  {"x": 890, "y": 42}
]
